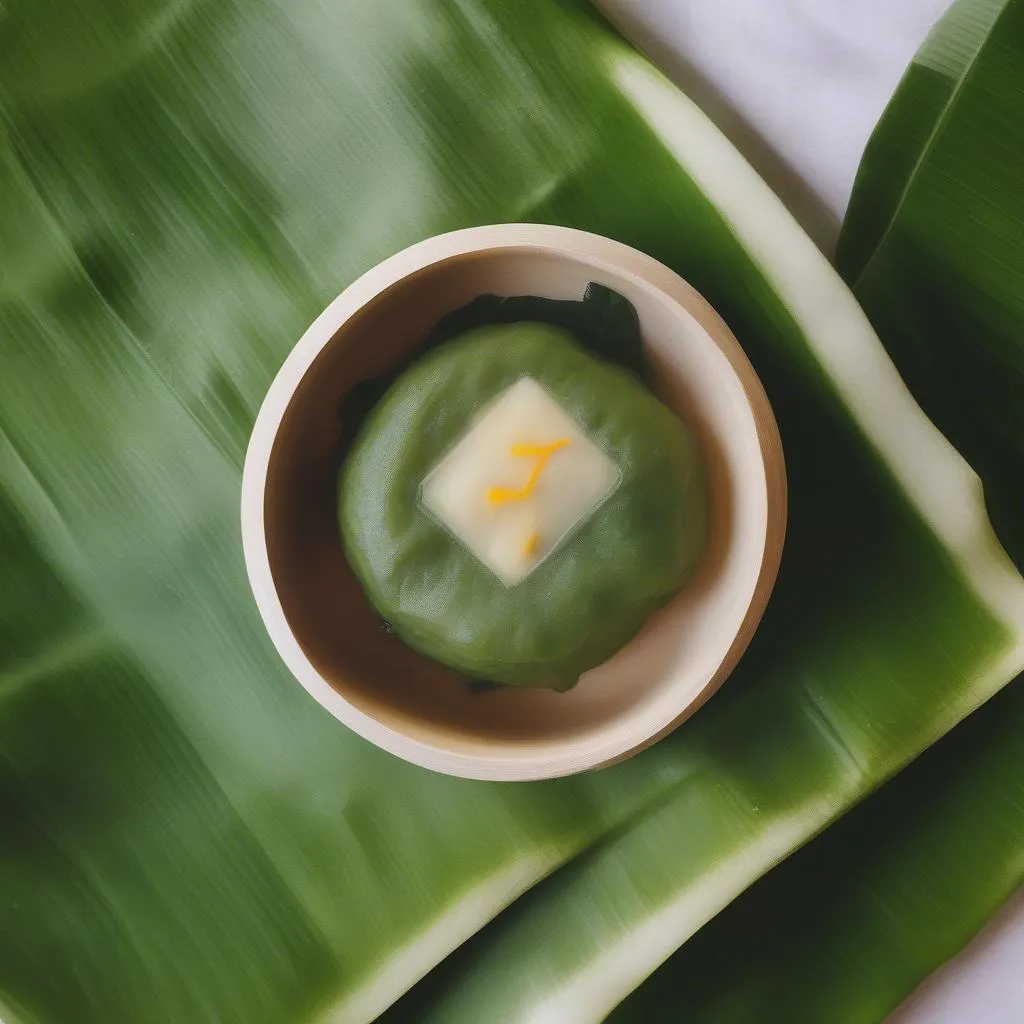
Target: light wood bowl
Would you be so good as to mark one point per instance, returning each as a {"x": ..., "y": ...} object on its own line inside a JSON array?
[{"x": 315, "y": 611}]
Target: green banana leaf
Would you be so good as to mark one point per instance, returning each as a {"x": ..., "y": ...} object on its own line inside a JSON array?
[
  {"x": 933, "y": 243},
  {"x": 845, "y": 929},
  {"x": 841, "y": 931},
  {"x": 927, "y": 95},
  {"x": 183, "y": 186}
]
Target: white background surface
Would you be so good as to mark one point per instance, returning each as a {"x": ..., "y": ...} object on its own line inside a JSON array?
[{"x": 798, "y": 86}]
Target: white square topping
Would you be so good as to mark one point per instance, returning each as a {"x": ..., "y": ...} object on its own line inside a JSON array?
[{"x": 519, "y": 481}]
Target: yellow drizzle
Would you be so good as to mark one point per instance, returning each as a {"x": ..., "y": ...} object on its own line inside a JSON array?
[
  {"x": 542, "y": 453},
  {"x": 531, "y": 545}
]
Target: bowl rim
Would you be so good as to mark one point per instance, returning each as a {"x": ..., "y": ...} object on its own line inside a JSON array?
[{"x": 531, "y": 762}]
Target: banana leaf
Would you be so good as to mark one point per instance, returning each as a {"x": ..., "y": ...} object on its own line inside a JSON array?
[
  {"x": 933, "y": 243},
  {"x": 182, "y": 187},
  {"x": 842, "y": 930},
  {"x": 845, "y": 929}
]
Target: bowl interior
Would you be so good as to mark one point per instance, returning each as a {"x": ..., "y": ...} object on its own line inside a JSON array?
[{"x": 678, "y": 656}]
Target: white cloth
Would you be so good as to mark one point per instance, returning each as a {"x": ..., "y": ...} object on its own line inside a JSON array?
[{"x": 798, "y": 86}]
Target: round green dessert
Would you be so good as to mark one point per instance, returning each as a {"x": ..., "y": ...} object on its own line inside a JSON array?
[{"x": 516, "y": 508}]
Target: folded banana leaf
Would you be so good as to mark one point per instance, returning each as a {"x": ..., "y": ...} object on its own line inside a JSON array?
[
  {"x": 840, "y": 932},
  {"x": 848, "y": 926},
  {"x": 183, "y": 186},
  {"x": 933, "y": 243}
]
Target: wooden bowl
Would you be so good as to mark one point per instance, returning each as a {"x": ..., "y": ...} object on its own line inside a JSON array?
[{"x": 315, "y": 610}]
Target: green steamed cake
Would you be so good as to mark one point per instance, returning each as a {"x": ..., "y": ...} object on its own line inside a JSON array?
[{"x": 637, "y": 538}]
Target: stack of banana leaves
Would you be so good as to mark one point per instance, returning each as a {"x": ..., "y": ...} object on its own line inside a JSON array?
[{"x": 185, "y": 836}]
